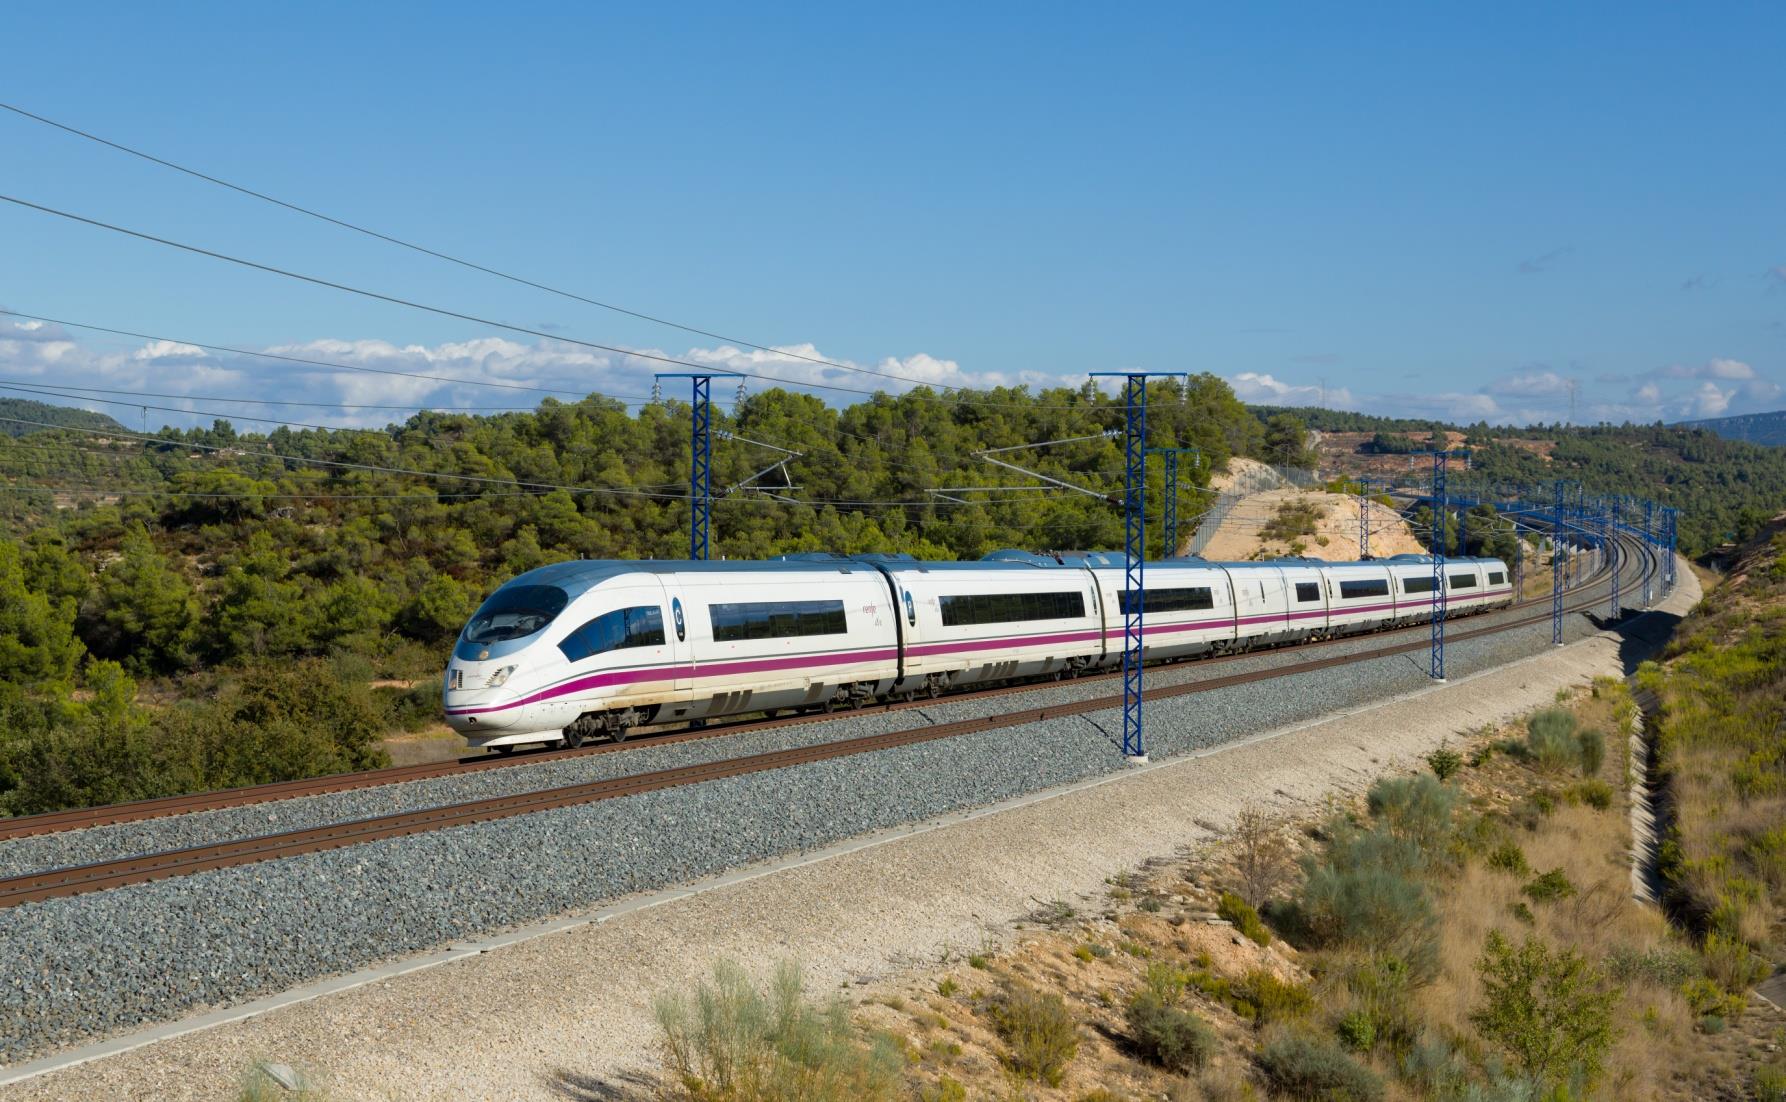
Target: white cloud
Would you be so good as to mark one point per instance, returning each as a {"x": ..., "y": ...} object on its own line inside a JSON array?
[
  {"x": 1530, "y": 384},
  {"x": 1709, "y": 400},
  {"x": 1266, "y": 390},
  {"x": 168, "y": 350},
  {"x": 1711, "y": 369},
  {"x": 1648, "y": 393}
]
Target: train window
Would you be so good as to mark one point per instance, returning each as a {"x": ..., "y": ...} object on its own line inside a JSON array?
[
  {"x": 1372, "y": 587},
  {"x": 1463, "y": 581},
  {"x": 1170, "y": 600},
  {"x": 776, "y": 620},
  {"x": 639, "y": 626},
  {"x": 1308, "y": 591},
  {"x": 515, "y": 612},
  {"x": 1497, "y": 577},
  {"x": 1417, "y": 585},
  {"x": 967, "y": 609}
]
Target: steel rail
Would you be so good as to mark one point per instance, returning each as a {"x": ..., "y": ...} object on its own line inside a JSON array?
[
  {"x": 51, "y": 822},
  {"x": 36, "y": 887}
]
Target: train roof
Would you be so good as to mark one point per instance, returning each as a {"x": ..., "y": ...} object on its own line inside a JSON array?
[{"x": 578, "y": 576}]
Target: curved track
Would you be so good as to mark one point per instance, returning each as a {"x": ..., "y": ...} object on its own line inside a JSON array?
[
  {"x": 71, "y": 881},
  {"x": 25, "y": 826}
]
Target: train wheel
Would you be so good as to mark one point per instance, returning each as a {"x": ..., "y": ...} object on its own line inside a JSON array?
[
  {"x": 504, "y": 750},
  {"x": 573, "y": 737}
]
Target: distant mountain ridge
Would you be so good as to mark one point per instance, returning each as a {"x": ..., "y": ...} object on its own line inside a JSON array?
[
  {"x": 43, "y": 416},
  {"x": 1756, "y": 428}
]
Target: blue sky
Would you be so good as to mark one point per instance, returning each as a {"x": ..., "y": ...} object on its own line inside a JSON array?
[{"x": 1425, "y": 209}]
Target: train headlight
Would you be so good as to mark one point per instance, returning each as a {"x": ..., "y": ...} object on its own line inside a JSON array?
[{"x": 499, "y": 678}]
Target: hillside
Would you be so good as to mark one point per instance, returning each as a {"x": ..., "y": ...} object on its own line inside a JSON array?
[
  {"x": 1304, "y": 522},
  {"x": 1725, "y": 489},
  {"x": 1721, "y": 745},
  {"x": 1756, "y": 428},
  {"x": 22, "y": 417},
  {"x": 300, "y": 589}
]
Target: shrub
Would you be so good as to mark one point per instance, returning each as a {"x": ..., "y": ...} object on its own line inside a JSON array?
[
  {"x": 1596, "y": 794},
  {"x": 1166, "y": 982},
  {"x": 947, "y": 986},
  {"x": 1705, "y": 997},
  {"x": 1444, "y": 762},
  {"x": 1591, "y": 746},
  {"x": 1382, "y": 989},
  {"x": 1245, "y": 919},
  {"x": 1550, "y": 739},
  {"x": 727, "y": 1040},
  {"x": 1039, "y": 1031},
  {"x": 1167, "y": 1036},
  {"x": 1548, "y": 887},
  {"x": 1376, "y": 908},
  {"x": 1299, "y": 1067},
  {"x": 1667, "y": 967},
  {"x": 1731, "y": 962},
  {"x": 1550, "y": 1011},
  {"x": 1261, "y": 857},
  {"x": 1770, "y": 1084},
  {"x": 1508, "y": 857},
  {"x": 1274, "y": 1000},
  {"x": 1084, "y": 953},
  {"x": 978, "y": 960},
  {"x": 1358, "y": 1031},
  {"x": 947, "y": 1089},
  {"x": 1417, "y": 809}
]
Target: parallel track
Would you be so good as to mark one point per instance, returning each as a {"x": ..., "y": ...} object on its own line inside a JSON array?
[
  {"x": 110, "y": 874},
  {"x": 26, "y": 826}
]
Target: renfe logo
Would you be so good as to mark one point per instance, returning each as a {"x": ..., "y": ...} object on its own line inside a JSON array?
[{"x": 676, "y": 614}]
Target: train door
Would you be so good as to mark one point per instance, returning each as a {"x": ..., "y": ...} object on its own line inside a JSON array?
[{"x": 677, "y": 625}]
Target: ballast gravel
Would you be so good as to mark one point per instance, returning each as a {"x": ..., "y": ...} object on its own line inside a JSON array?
[{"x": 74, "y": 969}]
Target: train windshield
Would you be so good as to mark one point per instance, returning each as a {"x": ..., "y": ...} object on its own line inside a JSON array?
[{"x": 514, "y": 612}]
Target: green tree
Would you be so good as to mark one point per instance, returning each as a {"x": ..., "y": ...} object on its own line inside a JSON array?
[
  {"x": 145, "y": 613},
  {"x": 1286, "y": 442},
  {"x": 38, "y": 647},
  {"x": 1551, "y": 1011}
]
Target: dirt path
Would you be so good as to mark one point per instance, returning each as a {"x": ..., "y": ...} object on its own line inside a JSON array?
[{"x": 565, "y": 1014}]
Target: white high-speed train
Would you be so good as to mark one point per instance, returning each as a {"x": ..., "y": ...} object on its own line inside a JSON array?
[{"x": 579, "y": 649}]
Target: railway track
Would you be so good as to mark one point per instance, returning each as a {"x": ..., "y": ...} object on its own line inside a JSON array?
[
  {"x": 56, "y": 883},
  {"x": 26, "y": 826}
]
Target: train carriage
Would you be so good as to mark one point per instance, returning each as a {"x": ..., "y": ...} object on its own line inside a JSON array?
[{"x": 581, "y": 649}]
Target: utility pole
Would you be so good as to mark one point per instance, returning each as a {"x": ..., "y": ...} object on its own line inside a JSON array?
[
  {"x": 1610, "y": 515},
  {"x": 1649, "y": 537},
  {"x": 1134, "y": 596},
  {"x": 1556, "y": 570},
  {"x": 1441, "y": 461},
  {"x": 700, "y": 446},
  {"x": 1364, "y": 518},
  {"x": 1169, "y": 502}
]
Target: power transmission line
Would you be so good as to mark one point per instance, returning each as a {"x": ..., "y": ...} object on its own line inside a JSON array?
[
  {"x": 442, "y": 311},
  {"x": 303, "y": 360},
  {"x": 449, "y": 258}
]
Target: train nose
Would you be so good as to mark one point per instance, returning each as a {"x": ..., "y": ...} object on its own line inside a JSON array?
[{"x": 479, "y": 697}]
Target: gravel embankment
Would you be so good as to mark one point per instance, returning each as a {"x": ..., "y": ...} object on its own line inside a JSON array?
[
  {"x": 77, "y": 847},
  {"x": 75, "y": 968}
]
